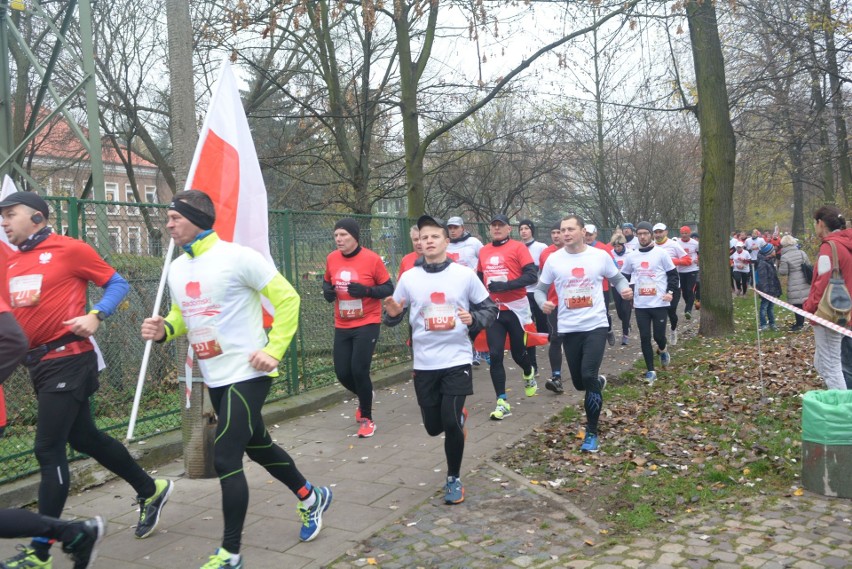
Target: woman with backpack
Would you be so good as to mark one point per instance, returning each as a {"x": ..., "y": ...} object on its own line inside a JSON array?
[
  {"x": 830, "y": 227},
  {"x": 798, "y": 284}
]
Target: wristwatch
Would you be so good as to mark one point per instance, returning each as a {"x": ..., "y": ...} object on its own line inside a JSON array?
[{"x": 101, "y": 315}]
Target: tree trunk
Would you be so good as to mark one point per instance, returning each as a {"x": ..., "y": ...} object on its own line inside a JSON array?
[
  {"x": 818, "y": 100},
  {"x": 184, "y": 129},
  {"x": 797, "y": 176},
  {"x": 717, "y": 168},
  {"x": 836, "y": 97}
]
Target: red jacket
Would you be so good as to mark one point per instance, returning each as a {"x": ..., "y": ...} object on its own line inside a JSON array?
[{"x": 843, "y": 242}]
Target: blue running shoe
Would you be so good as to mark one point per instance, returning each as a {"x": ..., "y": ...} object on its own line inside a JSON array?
[
  {"x": 453, "y": 491},
  {"x": 665, "y": 358},
  {"x": 312, "y": 516},
  {"x": 590, "y": 443},
  {"x": 487, "y": 357},
  {"x": 650, "y": 377}
]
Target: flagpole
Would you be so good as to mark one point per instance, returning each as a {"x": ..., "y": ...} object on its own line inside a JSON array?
[{"x": 147, "y": 355}]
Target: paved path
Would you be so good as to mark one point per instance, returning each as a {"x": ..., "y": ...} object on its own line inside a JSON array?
[{"x": 387, "y": 507}]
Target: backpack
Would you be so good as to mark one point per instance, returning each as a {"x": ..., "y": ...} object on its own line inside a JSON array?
[{"x": 835, "y": 304}]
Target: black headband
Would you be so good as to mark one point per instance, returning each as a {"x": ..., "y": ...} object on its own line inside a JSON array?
[{"x": 195, "y": 216}]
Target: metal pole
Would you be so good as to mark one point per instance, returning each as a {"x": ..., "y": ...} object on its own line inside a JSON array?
[{"x": 5, "y": 88}]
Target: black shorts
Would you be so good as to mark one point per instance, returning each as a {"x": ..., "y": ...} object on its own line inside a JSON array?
[
  {"x": 431, "y": 384},
  {"x": 77, "y": 374}
]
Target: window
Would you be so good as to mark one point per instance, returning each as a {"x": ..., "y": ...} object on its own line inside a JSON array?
[
  {"x": 111, "y": 191},
  {"x": 64, "y": 189},
  {"x": 151, "y": 194},
  {"x": 382, "y": 206},
  {"x": 129, "y": 197},
  {"x": 114, "y": 237},
  {"x": 134, "y": 241},
  {"x": 155, "y": 244}
]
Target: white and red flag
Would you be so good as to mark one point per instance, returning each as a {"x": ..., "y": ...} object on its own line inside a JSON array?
[{"x": 226, "y": 168}]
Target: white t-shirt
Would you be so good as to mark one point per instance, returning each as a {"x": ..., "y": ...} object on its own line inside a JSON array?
[
  {"x": 218, "y": 295},
  {"x": 633, "y": 244},
  {"x": 535, "y": 248},
  {"x": 578, "y": 280},
  {"x": 741, "y": 261},
  {"x": 439, "y": 337},
  {"x": 753, "y": 245},
  {"x": 619, "y": 259},
  {"x": 648, "y": 275},
  {"x": 466, "y": 252},
  {"x": 691, "y": 249}
]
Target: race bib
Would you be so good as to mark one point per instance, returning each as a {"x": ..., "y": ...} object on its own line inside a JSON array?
[
  {"x": 350, "y": 309},
  {"x": 578, "y": 297},
  {"x": 647, "y": 287},
  {"x": 439, "y": 317},
  {"x": 204, "y": 342},
  {"x": 25, "y": 290}
]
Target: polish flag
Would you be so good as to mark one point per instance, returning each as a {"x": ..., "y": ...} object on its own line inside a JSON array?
[{"x": 226, "y": 168}]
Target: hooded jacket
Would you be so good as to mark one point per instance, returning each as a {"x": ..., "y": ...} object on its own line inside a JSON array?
[
  {"x": 791, "y": 265},
  {"x": 823, "y": 266}
]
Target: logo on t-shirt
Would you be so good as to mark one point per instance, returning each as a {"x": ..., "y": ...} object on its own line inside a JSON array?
[
  {"x": 193, "y": 289},
  {"x": 45, "y": 258},
  {"x": 645, "y": 264},
  {"x": 578, "y": 272}
]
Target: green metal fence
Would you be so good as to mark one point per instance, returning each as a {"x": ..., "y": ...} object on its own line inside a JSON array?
[{"x": 132, "y": 238}]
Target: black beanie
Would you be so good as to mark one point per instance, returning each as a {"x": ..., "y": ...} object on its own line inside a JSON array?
[
  {"x": 529, "y": 224},
  {"x": 350, "y": 226},
  {"x": 643, "y": 225}
]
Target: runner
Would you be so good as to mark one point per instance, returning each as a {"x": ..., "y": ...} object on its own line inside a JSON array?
[
  {"x": 630, "y": 241},
  {"x": 47, "y": 280},
  {"x": 741, "y": 268},
  {"x": 578, "y": 271},
  {"x": 526, "y": 230},
  {"x": 688, "y": 273},
  {"x": 554, "y": 352},
  {"x": 507, "y": 268},
  {"x": 654, "y": 277},
  {"x": 448, "y": 306},
  {"x": 408, "y": 261},
  {"x": 680, "y": 259},
  {"x": 592, "y": 241},
  {"x": 215, "y": 289},
  {"x": 355, "y": 281},
  {"x": 623, "y": 308},
  {"x": 464, "y": 249}
]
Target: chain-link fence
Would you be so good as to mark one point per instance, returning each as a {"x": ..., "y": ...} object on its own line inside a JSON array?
[{"x": 133, "y": 239}]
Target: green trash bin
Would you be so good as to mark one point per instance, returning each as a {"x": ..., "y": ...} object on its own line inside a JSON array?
[{"x": 827, "y": 442}]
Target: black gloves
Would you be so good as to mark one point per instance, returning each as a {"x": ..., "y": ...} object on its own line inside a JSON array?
[
  {"x": 357, "y": 290},
  {"x": 328, "y": 292},
  {"x": 498, "y": 286}
]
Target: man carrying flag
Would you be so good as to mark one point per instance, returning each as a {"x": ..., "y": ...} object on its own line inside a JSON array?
[{"x": 215, "y": 289}]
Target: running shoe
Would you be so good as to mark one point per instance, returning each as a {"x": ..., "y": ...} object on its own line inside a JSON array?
[
  {"x": 476, "y": 358},
  {"x": 625, "y": 339},
  {"x": 650, "y": 377},
  {"x": 83, "y": 547},
  {"x": 665, "y": 358},
  {"x": 530, "y": 384},
  {"x": 222, "y": 560},
  {"x": 554, "y": 384},
  {"x": 687, "y": 315},
  {"x": 312, "y": 516},
  {"x": 602, "y": 380},
  {"x": 453, "y": 491},
  {"x": 590, "y": 443},
  {"x": 367, "y": 428},
  {"x": 150, "y": 509},
  {"x": 487, "y": 357},
  {"x": 673, "y": 338},
  {"x": 26, "y": 559},
  {"x": 358, "y": 416},
  {"x": 503, "y": 410},
  {"x": 610, "y": 338}
]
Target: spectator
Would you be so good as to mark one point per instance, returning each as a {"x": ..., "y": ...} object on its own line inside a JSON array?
[
  {"x": 791, "y": 266},
  {"x": 766, "y": 281},
  {"x": 829, "y": 224}
]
